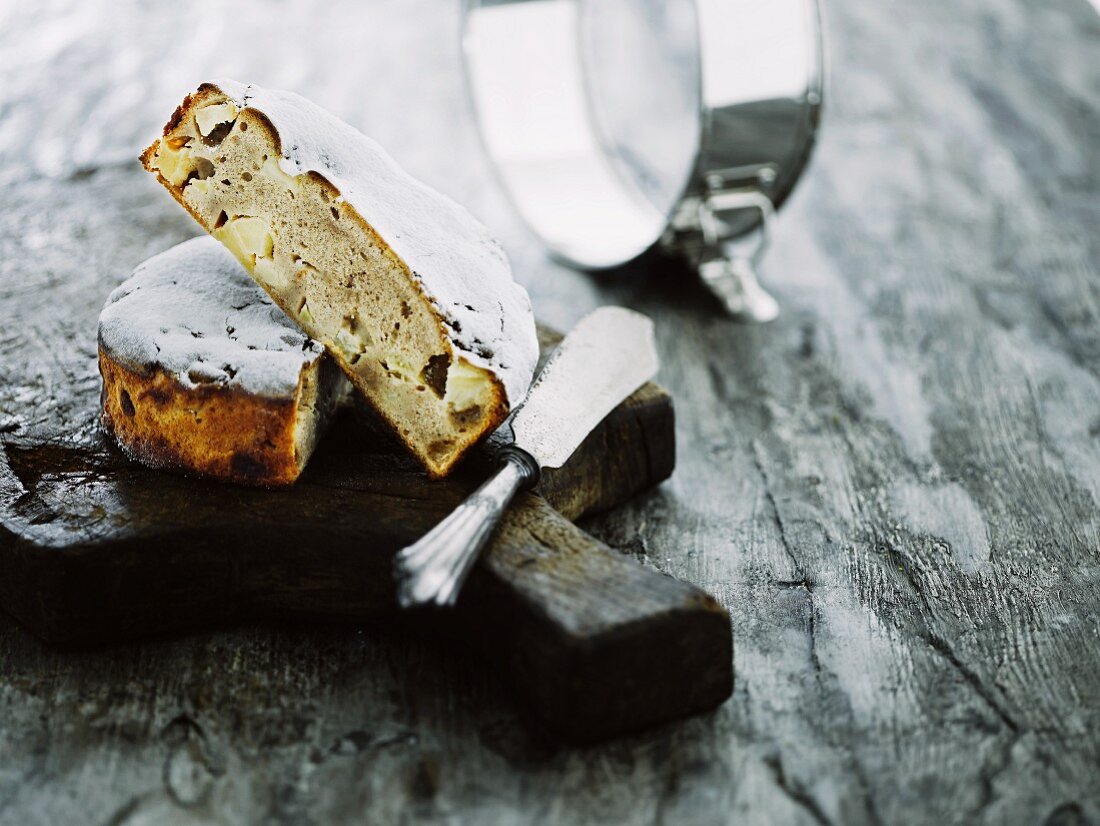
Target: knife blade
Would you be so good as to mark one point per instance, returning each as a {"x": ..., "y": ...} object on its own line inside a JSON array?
[{"x": 608, "y": 355}]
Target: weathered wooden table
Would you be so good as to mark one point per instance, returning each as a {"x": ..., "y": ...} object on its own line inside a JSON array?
[{"x": 893, "y": 488}]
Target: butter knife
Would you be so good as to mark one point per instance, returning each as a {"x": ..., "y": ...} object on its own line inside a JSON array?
[{"x": 608, "y": 355}]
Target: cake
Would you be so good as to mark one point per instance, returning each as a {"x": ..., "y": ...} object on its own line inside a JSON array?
[
  {"x": 405, "y": 289},
  {"x": 203, "y": 373}
]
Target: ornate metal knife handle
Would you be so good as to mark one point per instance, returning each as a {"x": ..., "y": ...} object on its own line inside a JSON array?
[{"x": 432, "y": 570}]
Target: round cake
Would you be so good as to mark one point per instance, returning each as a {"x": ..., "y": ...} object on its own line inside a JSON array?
[
  {"x": 406, "y": 290},
  {"x": 203, "y": 373}
]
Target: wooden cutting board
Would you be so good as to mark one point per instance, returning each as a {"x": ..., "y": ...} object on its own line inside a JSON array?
[{"x": 95, "y": 548}]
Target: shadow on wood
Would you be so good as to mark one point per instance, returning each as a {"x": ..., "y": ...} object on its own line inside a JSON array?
[{"x": 96, "y": 548}]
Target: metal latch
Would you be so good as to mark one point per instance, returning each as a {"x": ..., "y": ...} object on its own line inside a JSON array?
[{"x": 724, "y": 232}]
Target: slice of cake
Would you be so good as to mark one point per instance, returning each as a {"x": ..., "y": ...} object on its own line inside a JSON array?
[
  {"x": 203, "y": 373},
  {"x": 404, "y": 287}
]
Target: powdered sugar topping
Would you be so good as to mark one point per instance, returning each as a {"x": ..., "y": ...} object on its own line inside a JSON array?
[
  {"x": 461, "y": 269},
  {"x": 193, "y": 312}
]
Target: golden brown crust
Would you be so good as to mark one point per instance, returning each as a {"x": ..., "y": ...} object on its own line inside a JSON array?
[
  {"x": 437, "y": 466},
  {"x": 164, "y": 424}
]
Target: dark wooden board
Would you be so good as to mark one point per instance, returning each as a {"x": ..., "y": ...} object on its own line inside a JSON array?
[
  {"x": 168, "y": 551},
  {"x": 893, "y": 488},
  {"x": 95, "y": 548}
]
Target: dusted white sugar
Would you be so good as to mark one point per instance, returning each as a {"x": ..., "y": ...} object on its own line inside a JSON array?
[
  {"x": 193, "y": 312},
  {"x": 460, "y": 268}
]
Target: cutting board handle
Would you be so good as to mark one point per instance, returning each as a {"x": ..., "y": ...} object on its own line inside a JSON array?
[{"x": 597, "y": 643}]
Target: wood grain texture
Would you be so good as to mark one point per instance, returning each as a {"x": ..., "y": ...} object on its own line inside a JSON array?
[
  {"x": 596, "y": 644},
  {"x": 98, "y": 548},
  {"x": 893, "y": 488}
]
